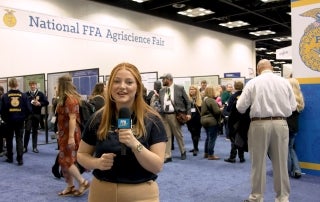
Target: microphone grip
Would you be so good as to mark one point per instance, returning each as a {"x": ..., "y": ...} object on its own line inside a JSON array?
[{"x": 123, "y": 149}]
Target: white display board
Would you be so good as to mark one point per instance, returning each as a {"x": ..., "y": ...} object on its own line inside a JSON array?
[{"x": 225, "y": 81}]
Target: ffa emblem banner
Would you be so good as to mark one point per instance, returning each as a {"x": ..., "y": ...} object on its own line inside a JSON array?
[{"x": 306, "y": 67}]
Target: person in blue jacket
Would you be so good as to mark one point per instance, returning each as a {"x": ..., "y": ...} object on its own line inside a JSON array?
[{"x": 15, "y": 108}]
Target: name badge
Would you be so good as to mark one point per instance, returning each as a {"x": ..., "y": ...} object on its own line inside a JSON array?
[{"x": 193, "y": 109}]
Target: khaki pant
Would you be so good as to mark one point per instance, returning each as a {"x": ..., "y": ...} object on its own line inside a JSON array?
[
  {"x": 102, "y": 191},
  {"x": 269, "y": 137},
  {"x": 173, "y": 127}
]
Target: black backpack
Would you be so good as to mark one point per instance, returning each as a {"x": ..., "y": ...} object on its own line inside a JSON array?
[{"x": 87, "y": 109}]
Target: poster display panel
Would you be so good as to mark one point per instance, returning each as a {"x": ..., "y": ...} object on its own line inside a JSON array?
[
  {"x": 183, "y": 81},
  {"x": 186, "y": 82},
  {"x": 148, "y": 79},
  {"x": 84, "y": 80},
  {"x": 226, "y": 81},
  {"x": 212, "y": 80},
  {"x": 23, "y": 82},
  {"x": 38, "y": 78}
]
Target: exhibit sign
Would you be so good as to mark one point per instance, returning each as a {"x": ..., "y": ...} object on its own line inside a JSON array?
[
  {"x": 284, "y": 53},
  {"x": 28, "y": 21},
  {"x": 232, "y": 75}
]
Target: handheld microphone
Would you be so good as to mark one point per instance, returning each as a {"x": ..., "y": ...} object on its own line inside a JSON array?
[{"x": 124, "y": 122}]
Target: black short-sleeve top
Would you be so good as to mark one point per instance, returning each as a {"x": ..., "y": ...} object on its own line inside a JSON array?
[{"x": 126, "y": 168}]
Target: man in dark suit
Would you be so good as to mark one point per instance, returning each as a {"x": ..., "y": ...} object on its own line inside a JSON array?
[
  {"x": 38, "y": 100},
  {"x": 173, "y": 98}
]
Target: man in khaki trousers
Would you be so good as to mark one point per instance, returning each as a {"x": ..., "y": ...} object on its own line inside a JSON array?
[{"x": 272, "y": 100}]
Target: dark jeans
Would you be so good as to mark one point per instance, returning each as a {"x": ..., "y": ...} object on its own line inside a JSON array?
[
  {"x": 15, "y": 128},
  {"x": 212, "y": 133},
  {"x": 293, "y": 161},
  {"x": 32, "y": 123}
]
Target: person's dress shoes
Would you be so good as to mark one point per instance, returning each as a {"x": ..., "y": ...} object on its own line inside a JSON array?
[
  {"x": 167, "y": 160},
  {"x": 183, "y": 156},
  {"x": 213, "y": 157},
  {"x": 35, "y": 150},
  {"x": 242, "y": 160},
  {"x": 20, "y": 162},
  {"x": 25, "y": 150},
  {"x": 230, "y": 160},
  {"x": 297, "y": 175},
  {"x": 195, "y": 152}
]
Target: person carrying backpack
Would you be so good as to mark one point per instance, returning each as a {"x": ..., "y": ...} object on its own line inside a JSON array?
[
  {"x": 97, "y": 96},
  {"x": 154, "y": 96},
  {"x": 154, "y": 93}
]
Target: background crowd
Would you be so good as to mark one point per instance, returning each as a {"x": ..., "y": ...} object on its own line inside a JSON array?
[{"x": 230, "y": 110}]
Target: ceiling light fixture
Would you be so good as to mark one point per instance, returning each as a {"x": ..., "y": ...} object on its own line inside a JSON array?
[
  {"x": 195, "y": 12},
  {"x": 139, "y": 1},
  {"x": 233, "y": 24},
  {"x": 280, "y": 62},
  {"x": 268, "y": 1},
  {"x": 253, "y": 28},
  {"x": 271, "y": 53},
  {"x": 178, "y": 5},
  {"x": 262, "y": 33},
  {"x": 281, "y": 39},
  {"x": 261, "y": 49}
]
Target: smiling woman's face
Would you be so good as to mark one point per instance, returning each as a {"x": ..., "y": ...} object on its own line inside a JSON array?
[
  {"x": 192, "y": 91},
  {"x": 124, "y": 88}
]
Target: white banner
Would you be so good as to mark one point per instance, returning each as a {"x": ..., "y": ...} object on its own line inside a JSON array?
[
  {"x": 284, "y": 53},
  {"x": 45, "y": 24}
]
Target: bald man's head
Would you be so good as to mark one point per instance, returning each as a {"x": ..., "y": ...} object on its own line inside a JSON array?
[{"x": 264, "y": 64}]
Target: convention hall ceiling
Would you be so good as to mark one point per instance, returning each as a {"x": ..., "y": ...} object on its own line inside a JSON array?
[{"x": 266, "y": 22}]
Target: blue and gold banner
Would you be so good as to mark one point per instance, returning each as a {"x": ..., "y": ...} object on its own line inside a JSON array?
[{"x": 306, "y": 67}]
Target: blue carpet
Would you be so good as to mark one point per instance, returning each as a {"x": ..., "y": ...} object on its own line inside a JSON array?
[{"x": 192, "y": 180}]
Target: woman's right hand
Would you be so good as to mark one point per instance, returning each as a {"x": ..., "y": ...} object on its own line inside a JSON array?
[{"x": 105, "y": 162}]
